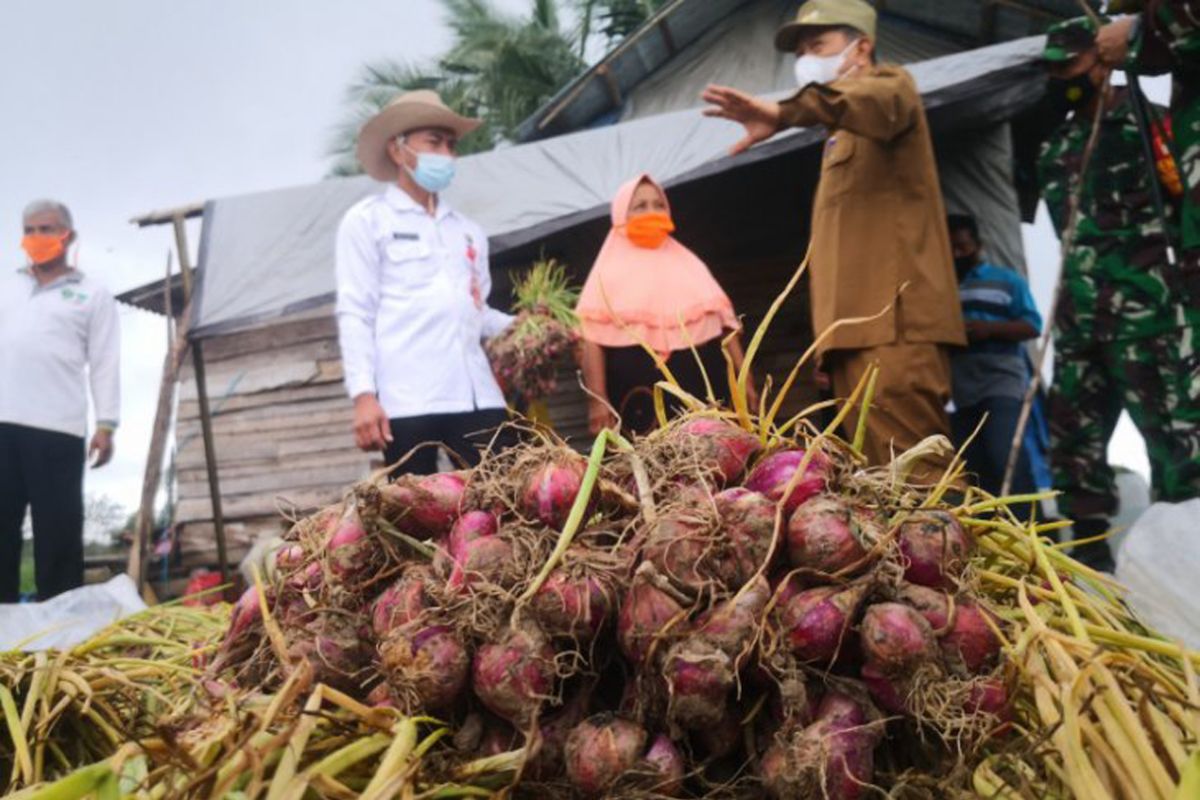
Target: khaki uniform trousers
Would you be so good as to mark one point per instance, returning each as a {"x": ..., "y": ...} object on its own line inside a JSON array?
[{"x": 909, "y": 403}]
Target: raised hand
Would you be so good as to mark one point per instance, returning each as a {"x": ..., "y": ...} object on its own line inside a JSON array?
[
  {"x": 1113, "y": 42},
  {"x": 760, "y": 118}
]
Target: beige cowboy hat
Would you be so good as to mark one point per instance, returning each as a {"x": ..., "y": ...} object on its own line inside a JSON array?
[{"x": 408, "y": 112}]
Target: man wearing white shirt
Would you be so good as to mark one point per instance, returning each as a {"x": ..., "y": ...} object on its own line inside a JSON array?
[
  {"x": 412, "y": 288},
  {"x": 59, "y": 334}
]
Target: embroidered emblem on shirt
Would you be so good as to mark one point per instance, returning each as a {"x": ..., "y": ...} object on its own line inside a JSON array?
[
  {"x": 74, "y": 297},
  {"x": 472, "y": 257},
  {"x": 472, "y": 253}
]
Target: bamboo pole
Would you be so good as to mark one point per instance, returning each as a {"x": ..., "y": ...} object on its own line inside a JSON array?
[
  {"x": 152, "y": 475},
  {"x": 177, "y": 348},
  {"x": 1067, "y": 245},
  {"x": 210, "y": 457},
  {"x": 200, "y": 375}
]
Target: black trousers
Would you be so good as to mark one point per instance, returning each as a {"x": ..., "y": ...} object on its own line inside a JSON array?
[
  {"x": 42, "y": 471},
  {"x": 630, "y": 374},
  {"x": 465, "y": 433}
]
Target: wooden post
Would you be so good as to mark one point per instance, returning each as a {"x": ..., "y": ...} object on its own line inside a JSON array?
[
  {"x": 210, "y": 452},
  {"x": 139, "y": 552},
  {"x": 172, "y": 362},
  {"x": 210, "y": 457},
  {"x": 185, "y": 260}
]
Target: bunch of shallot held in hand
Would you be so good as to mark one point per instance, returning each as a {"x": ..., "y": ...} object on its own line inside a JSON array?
[{"x": 527, "y": 355}]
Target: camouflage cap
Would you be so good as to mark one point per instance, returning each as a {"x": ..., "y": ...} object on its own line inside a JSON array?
[
  {"x": 857, "y": 14},
  {"x": 1069, "y": 39}
]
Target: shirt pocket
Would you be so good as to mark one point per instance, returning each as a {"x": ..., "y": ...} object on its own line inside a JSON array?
[
  {"x": 410, "y": 265},
  {"x": 838, "y": 150},
  {"x": 836, "y": 165}
]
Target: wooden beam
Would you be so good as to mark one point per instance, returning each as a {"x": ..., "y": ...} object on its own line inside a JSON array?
[
  {"x": 627, "y": 43},
  {"x": 198, "y": 374},
  {"x": 167, "y": 216},
  {"x": 185, "y": 261},
  {"x": 610, "y": 83},
  {"x": 664, "y": 30},
  {"x": 152, "y": 476},
  {"x": 210, "y": 458}
]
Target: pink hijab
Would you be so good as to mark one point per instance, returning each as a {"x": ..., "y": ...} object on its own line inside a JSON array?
[{"x": 664, "y": 298}]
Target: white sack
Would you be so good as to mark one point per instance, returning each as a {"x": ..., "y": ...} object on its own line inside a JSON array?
[
  {"x": 72, "y": 617},
  {"x": 1159, "y": 562}
]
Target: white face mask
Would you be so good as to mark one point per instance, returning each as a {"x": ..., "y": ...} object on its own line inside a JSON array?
[{"x": 820, "y": 69}]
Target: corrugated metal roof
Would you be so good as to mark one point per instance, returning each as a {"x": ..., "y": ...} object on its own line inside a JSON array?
[
  {"x": 910, "y": 31},
  {"x": 737, "y": 51}
]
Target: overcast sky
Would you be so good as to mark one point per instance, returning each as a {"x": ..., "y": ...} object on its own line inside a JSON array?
[{"x": 125, "y": 106}]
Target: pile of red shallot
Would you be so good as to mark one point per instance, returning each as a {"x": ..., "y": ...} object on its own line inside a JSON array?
[{"x": 695, "y": 614}]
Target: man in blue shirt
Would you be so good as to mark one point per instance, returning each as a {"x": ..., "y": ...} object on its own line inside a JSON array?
[{"x": 991, "y": 375}]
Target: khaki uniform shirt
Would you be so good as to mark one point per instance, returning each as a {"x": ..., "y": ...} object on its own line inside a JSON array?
[{"x": 878, "y": 218}]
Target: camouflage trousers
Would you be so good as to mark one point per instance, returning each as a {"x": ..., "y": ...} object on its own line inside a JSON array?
[{"x": 1157, "y": 380}]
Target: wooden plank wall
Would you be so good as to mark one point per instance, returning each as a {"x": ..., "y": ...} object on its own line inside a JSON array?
[{"x": 281, "y": 428}]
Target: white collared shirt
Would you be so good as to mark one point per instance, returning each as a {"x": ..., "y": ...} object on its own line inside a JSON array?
[
  {"x": 55, "y": 341},
  {"x": 412, "y": 307}
]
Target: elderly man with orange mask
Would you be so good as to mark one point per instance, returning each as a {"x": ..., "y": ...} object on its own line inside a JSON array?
[{"x": 59, "y": 335}]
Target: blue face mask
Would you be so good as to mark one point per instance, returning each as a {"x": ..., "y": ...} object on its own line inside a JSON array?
[{"x": 434, "y": 171}]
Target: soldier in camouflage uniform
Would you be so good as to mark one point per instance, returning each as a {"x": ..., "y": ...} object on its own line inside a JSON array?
[
  {"x": 1123, "y": 337},
  {"x": 1164, "y": 36}
]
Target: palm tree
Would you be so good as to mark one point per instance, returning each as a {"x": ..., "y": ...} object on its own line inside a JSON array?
[
  {"x": 381, "y": 82},
  {"x": 499, "y": 68},
  {"x": 615, "y": 19}
]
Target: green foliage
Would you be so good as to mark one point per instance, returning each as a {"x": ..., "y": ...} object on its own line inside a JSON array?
[
  {"x": 614, "y": 19},
  {"x": 499, "y": 68},
  {"x": 381, "y": 82},
  {"x": 546, "y": 289}
]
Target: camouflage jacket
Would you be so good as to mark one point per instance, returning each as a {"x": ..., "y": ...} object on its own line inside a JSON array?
[
  {"x": 1170, "y": 42},
  {"x": 1170, "y": 36},
  {"x": 1113, "y": 284}
]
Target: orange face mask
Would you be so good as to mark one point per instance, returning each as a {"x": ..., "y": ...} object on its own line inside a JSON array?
[
  {"x": 649, "y": 230},
  {"x": 44, "y": 247}
]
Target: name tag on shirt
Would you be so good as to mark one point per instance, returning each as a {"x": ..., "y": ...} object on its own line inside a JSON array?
[
  {"x": 404, "y": 236},
  {"x": 407, "y": 250}
]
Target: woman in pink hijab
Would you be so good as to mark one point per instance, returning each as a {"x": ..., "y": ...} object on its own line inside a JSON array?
[{"x": 648, "y": 289}]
